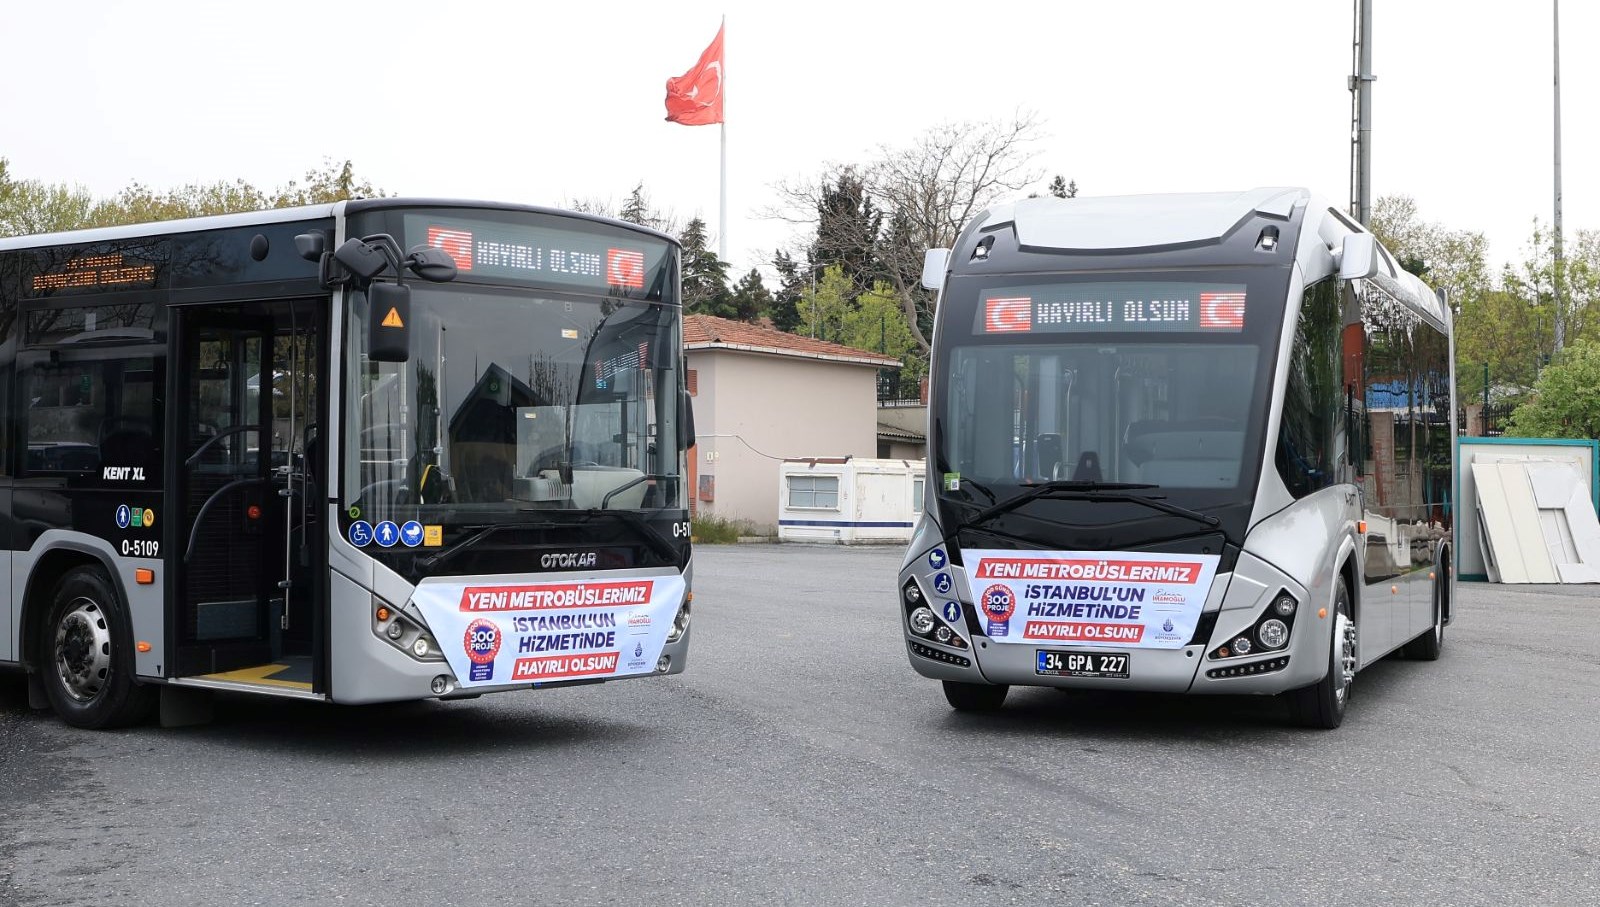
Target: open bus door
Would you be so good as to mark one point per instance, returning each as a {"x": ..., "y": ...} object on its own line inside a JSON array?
[{"x": 247, "y": 600}]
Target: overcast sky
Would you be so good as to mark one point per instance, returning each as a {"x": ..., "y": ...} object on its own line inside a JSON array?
[{"x": 544, "y": 103}]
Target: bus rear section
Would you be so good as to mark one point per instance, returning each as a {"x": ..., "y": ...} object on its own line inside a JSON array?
[{"x": 1164, "y": 433}]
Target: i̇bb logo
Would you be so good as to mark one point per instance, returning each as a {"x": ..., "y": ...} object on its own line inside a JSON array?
[
  {"x": 998, "y": 603},
  {"x": 482, "y": 641}
]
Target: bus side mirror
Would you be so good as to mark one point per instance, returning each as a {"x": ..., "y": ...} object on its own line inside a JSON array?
[
  {"x": 934, "y": 262},
  {"x": 685, "y": 420},
  {"x": 361, "y": 258},
  {"x": 431, "y": 264},
  {"x": 388, "y": 322},
  {"x": 1359, "y": 258}
]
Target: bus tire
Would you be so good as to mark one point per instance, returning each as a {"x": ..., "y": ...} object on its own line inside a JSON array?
[
  {"x": 1322, "y": 705},
  {"x": 1428, "y": 646},
  {"x": 974, "y": 697},
  {"x": 85, "y": 659}
]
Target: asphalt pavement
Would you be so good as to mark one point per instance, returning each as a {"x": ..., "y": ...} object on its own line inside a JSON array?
[{"x": 801, "y": 761}]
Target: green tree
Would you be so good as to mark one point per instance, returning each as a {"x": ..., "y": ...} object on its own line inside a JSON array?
[
  {"x": 927, "y": 190},
  {"x": 705, "y": 276},
  {"x": 750, "y": 299},
  {"x": 1498, "y": 328},
  {"x": 785, "y": 308},
  {"x": 872, "y": 320},
  {"x": 31, "y": 206},
  {"x": 637, "y": 208},
  {"x": 1566, "y": 401},
  {"x": 1576, "y": 316},
  {"x": 848, "y": 228},
  {"x": 1455, "y": 261}
]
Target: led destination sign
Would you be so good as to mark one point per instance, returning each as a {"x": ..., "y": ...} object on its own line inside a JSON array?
[
  {"x": 1112, "y": 307},
  {"x": 630, "y": 265},
  {"x": 96, "y": 271}
]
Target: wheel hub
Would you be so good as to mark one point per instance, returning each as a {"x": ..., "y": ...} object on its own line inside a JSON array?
[
  {"x": 83, "y": 650},
  {"x": 1345, "y": 632}
]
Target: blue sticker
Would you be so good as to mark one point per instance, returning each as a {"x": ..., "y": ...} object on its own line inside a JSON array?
[
  {"x": 124, "y": 516},
  {"x": 941, "y": 583},
  {"x": 361, "y": 533},
  {"x": 411, "y": 534},
  {"x": 387, "y": 533},
  {"x": 952, "y": 611},
  {"x": 936, "y": 559}
]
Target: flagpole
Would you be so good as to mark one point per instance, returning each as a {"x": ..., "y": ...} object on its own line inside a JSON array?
[{"x": 722, "y": 241}]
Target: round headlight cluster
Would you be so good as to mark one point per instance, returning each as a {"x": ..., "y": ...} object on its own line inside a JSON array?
[
  {"x": 922, "y": 621},
  {"x": 1273, "y": 633},
  {"x": 1284, "y": 605}
]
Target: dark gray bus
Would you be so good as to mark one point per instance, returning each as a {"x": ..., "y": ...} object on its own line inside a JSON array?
[{"x": 375, "y": 450}]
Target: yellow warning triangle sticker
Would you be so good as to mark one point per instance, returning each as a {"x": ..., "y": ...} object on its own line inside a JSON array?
[{"x": 392, "y": 320}]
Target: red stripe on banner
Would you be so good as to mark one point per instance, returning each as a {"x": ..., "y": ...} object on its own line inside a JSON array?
[
  {"x": 1078, "y": 632},
  {"x": 556, "y": 595},
  {"x": 563, "y": 666},
  {"x": 1094, "y": 570}
]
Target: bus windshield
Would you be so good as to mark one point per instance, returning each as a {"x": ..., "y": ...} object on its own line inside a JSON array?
[
  {"x": 1149, "y": 379},
  {"x": 516, "y": 404}
]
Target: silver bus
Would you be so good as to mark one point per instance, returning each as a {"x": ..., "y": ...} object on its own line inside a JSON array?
[
  {"x": 370, "y": 451},
  {"x": 1182, "y": 443}
]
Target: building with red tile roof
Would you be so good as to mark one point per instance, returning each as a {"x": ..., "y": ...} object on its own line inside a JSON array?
[{"x": 762, "y": 396}]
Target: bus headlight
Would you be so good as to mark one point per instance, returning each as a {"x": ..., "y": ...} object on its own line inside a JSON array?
[
  {"x": 419, "y": 648},
  {"x": 1273, "y": 633},
  {"x": 680, "y": 623},
  {"x": 1284, "y": 605},
  {"x": 913, "y": 593},
  {"x": 922, "y": 621}
]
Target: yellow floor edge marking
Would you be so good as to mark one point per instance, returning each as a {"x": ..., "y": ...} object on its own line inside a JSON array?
[{"x": 261, "y": 674}]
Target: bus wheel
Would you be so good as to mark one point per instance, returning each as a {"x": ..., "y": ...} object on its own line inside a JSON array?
[
  {"x": 1428, "y": 646},
  {"x": 1322, "y": 704},
  {"x": 974, "y": 697},
  {"x": 84, "y": 662}
]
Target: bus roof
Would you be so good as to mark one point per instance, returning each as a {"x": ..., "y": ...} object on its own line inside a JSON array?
[
  {"x": 1127, "y": 222},
  {"x": 288, "y": 215}
]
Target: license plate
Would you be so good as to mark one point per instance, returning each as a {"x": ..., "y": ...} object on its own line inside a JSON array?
[{"x": 1082, "y": 664}]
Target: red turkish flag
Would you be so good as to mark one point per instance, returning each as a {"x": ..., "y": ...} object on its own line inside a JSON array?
[{"x": 695, "y": 98}]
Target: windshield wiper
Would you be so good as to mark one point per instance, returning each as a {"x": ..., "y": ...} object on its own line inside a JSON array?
[
  {"x": 1076, "y": 490},
  {"x": 428, "y": 563}
]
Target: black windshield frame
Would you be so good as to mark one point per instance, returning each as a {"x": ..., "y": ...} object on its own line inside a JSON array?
[{"x": 1100, "y": 524}]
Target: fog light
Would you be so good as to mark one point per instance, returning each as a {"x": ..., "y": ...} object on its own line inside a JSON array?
[
  {"x": 1273, "y": 634},
  {"x": 922, "y": 621},
  {"x": 394, "y": 630},
  {"x": 420, "y": 647},
  {"x": 1241, "y": 646},
  {"x": 441, "y": 685},
  {"x": 943, "y": 634},
  {"x": 663, "y": 663},
  {"x": 1284, "y": 605}
]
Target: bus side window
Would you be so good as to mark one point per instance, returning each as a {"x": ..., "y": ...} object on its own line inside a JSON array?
[{"x": 92, "y": 421}]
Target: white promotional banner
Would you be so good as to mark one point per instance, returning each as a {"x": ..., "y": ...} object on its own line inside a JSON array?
[
  {"x": 1097, "y": 598},
  {"x": 538, "y": 632}
]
